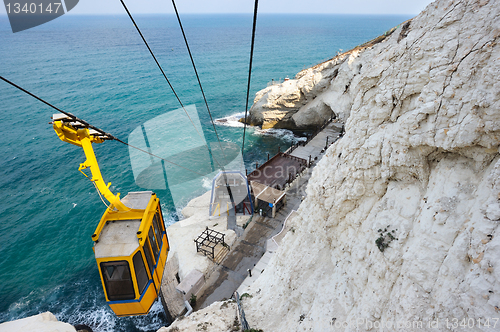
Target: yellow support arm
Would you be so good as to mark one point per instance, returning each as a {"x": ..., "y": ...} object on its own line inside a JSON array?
[{"x": 69, "y": 132}]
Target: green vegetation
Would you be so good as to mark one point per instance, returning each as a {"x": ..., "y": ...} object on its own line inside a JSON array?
[
  {"x": 245, "y": 295},
  {"x": 192, "y": 300}
]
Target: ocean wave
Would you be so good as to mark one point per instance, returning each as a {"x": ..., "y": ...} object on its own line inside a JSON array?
[
  {"x": 99, "y": 318},
  {"x": 171, "y": 217},
  {"x": 231, "y": 120},
  {"x": 283, "y": 134}
]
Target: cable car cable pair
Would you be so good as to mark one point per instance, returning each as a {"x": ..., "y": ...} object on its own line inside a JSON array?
[
  {"x": 171, "y": 87},
  {"x": 102, "y": 132}
]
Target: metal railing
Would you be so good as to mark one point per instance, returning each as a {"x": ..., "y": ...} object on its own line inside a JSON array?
[
  {"x": 309, "y": 137},
  {"x": 241, "y": 313}
]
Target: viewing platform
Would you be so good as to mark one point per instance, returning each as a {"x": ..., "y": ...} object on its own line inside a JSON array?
[{"x": 278, "y": 171}]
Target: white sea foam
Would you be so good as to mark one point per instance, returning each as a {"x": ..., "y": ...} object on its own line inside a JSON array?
[
  {"x": 23, "y": 303},
  {"x": 207, "y": 183},
  {"x": 283, "y": 134},
  {"x": 171, "y": 217},
  {"x": 231, "y": 120},
  {"x": 99, "y": 318},
  {"x": 152, "y": 321},
  {"x": 90, "y": 311}
]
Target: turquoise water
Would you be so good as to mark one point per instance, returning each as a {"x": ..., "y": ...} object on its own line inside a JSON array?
[{"x": 97, "y": 68}]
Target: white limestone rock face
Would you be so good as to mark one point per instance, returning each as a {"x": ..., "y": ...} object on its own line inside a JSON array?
[
  {"x": 301, "y": 103},
  {"x": 419, "y": 161},
  {"x": 44, "y": 322},
  {"x": 218, "y": 317},
  {"x": 292, "y": 104}
]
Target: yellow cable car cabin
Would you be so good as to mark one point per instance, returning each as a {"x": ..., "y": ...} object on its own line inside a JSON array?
[
  {"x": 131, "y": 249},
  {"x": 130, "y": 242}
]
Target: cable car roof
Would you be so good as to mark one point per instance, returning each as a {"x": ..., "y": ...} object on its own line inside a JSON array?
[
  {"x": 118, "y": 238},
  {"x": 137, "y": 199}
]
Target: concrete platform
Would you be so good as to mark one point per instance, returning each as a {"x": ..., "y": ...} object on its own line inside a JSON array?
[
  {"x": 251, "y": 250},
  {"x": 259, "y": 267}
]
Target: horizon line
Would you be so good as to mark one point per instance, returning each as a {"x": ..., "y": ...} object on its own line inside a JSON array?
[{"x": 237, "y": 13}]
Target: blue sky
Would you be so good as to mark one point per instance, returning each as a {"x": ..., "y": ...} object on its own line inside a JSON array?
[{"x": 412, "y": 7}]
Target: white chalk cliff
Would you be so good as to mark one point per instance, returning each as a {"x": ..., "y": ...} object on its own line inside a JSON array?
[
  {"x": 400, "y": 223},
  {"x": 43, "y": 322}
]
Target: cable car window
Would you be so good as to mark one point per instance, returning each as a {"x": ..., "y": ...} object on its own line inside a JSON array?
[
  {"x": 140, "y": 272},
  {"x": 161, "y": 225},
  {"x": 157, "y": 230},
  {"x": 154, "y": 246},
  {"x": 117, "y": 280},
  {"x": 149, "y": 257}
]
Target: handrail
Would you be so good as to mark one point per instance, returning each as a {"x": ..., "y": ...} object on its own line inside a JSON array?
[
  {"x": 217, "y": 206},
  {"x": 241, "y": 313},
  {"x": 309, "y": 138}
]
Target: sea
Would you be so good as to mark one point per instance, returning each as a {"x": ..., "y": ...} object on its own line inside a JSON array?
[{"x": 98, "y": 68}]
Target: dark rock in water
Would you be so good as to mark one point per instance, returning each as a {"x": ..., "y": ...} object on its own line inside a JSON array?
[{"x": 82, "y": 328}]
